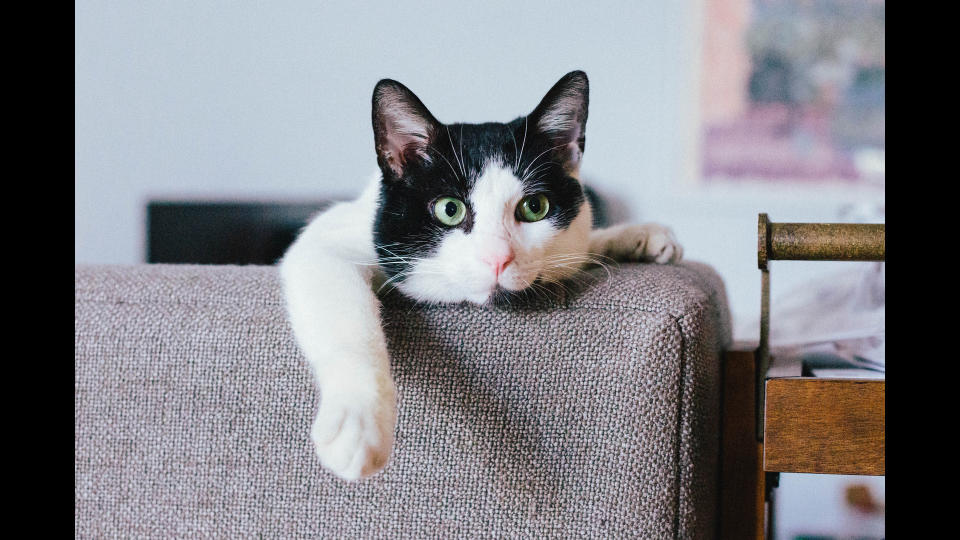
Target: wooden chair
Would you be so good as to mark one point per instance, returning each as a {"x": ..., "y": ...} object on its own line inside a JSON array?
[{"x": 794, "y": 424}]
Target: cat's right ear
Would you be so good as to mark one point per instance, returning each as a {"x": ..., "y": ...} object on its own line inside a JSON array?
[{"x": 403, "y": 128}]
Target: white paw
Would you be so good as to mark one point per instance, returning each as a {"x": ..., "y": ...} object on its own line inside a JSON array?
[
  {"x": 353, "y": 431},
  {"x": 647, "y": 242},
  {"x": 662, "y": 247}
]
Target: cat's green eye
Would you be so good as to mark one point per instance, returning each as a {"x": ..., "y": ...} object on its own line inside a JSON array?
[
  {"x": 450, "y": 211},
  {"x": 533, "y": 208}
]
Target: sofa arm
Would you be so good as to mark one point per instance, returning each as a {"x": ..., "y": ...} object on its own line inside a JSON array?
[{"x": 589, "y": 412}]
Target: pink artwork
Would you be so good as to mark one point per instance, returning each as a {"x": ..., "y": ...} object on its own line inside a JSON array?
[{"x": 793, "y": 91}]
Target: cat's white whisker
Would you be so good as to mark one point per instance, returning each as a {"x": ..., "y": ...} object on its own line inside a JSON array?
[
  {"x": 439, "y": 153},
  {"x": 539, "y": 156},
  {"x": 539, "y": 290},
  {"x": 515, "y": 153},
  {"x": 454, "y": 150},
  {"x": 397, "y": 276},
  {"x": 540, "y": 167},
  {"x": 524, "y": 142},
  {"x": 577, "y": 264},
  {"x": 461, "y": 150}
]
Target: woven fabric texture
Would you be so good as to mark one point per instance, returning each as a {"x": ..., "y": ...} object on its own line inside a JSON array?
[{"x": 591, "y": 412}]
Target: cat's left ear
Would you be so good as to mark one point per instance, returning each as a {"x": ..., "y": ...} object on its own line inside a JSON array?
[
  {"x": 561, "y": 117},
  {"x": 403, "y": 128}
]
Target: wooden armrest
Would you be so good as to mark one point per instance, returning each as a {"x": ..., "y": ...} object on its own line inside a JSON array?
[{"x": 833, "y": 426}]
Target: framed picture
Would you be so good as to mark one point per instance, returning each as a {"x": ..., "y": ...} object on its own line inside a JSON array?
[{"x": 792, "y": 95}]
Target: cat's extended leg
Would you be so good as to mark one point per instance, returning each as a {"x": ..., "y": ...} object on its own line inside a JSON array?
[
  {"x": 645, "y": 242},
  {"x": 335, "y": 317}
]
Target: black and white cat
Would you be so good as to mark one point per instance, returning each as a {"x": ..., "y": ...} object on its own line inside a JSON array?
[{"x": 458, "y": 212}]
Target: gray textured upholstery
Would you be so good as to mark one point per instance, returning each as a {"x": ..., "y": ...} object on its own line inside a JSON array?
[{"x": 593, "y": 413}]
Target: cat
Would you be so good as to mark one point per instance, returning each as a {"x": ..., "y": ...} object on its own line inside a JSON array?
[{"x": 457, "y": 212}]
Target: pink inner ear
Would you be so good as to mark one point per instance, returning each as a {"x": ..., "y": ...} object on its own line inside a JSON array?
[
  {"x": 572, "y": 153},
  {"x": 405, "y": 132},
  {"x": 398, "y": 147},
  {"x": 569, "y": 154},
  {"x": 562, "y": 124}
]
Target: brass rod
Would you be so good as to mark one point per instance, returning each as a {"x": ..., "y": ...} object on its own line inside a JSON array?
[{"x": 825, "y": 242}]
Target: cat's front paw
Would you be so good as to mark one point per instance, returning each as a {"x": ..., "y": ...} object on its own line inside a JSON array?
[
  {"x": 662, "y": 246},
  {"x": 353, "y": 431},
  {"x": 646, "y": 242}
]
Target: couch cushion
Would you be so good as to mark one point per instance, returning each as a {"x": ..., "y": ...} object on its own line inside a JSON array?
[{"x": 588, "y": 411}]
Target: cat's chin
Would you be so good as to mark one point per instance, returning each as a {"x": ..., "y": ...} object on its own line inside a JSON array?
[
  {"x": 447, "y": 295},
  {"x": 480, "y": 299},
  {"x": 490, "y": 296}
]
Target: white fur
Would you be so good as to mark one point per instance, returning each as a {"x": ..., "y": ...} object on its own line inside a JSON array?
[{"x": 328, "y": 276}]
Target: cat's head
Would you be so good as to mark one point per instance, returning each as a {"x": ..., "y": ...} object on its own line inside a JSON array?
[{"x": 470, "y": 210}]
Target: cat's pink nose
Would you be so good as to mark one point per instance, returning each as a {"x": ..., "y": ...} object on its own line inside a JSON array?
[{"x": 498, "y": 262}]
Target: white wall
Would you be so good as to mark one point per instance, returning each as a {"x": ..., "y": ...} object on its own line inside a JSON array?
[{"x": 272, "y": 100}]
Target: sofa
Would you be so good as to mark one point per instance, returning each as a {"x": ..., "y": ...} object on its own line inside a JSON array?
[{"x": 591, "y": 410}]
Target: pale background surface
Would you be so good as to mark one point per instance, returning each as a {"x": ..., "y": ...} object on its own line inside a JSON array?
[{"x": 244, "y": 100}]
